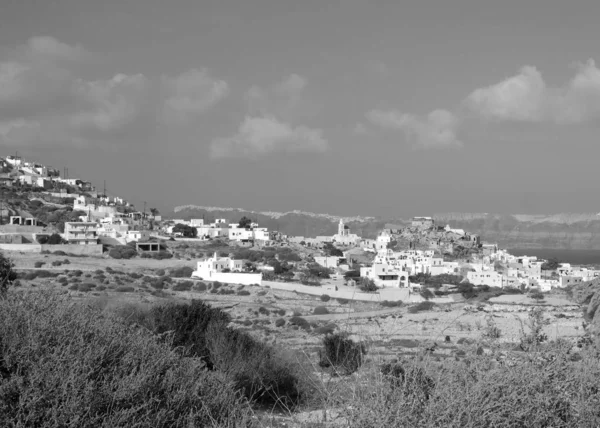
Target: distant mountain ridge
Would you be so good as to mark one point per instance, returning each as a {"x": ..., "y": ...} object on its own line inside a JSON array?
[
  {"x": 579, "y": 231},
  {"x": 274, "y": 214}
]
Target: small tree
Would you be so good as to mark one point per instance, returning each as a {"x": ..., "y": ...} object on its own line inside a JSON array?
[
  {"x": 55, "y": 239},
  {"x": 245, "y": 222},
  {"x": 7, "y": 274},
  {"x": 368, "y": 285}
]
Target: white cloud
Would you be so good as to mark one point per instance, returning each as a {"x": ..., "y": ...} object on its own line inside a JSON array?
[
  {"x": 283, "y": 99},
  {"x": 45, "y": 97},
  {"x": 360, "y": 129},
  {"x": 526, "y": 97},
  {"x": 109, "y": 104},
  {"x": 437, "y": 129},
  {"x": 261, "y": 135},
  {"x": 192, "y": 93}
]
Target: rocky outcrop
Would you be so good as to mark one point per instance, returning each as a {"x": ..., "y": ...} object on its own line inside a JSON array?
[{"x": 556, "y": 231}]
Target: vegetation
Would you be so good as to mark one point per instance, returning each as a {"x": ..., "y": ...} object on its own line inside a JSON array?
[
  {"x": 122, "y": 252},
  {"x": 551, "y": 264},
  {"x": 117, "y": 376},
  {"x": 367, "y": 285},
  {"x": 7, "y": 275},
  {"x": 185, "y": 230},
  {"x": 341, "y": 353},
  {"x": 244, "y": 222}
]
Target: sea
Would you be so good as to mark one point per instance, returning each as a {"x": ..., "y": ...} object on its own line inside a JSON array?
[{"x": 575, "y": 257}]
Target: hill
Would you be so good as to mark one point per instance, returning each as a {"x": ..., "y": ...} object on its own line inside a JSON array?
[{"x": 556, "y": 231}]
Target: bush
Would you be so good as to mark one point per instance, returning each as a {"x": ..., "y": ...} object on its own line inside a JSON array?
[
  {"x": 320, "y": 310},
  {"x": 281, "y": 312},
  {"x": 125, "y": 289},
  {"x": 326, "y": 329},
  {"x": 122, "y": 252},
  {"x": 243, "y": 293},
  {"x": 341, "y": 353},
  {"x": 183, "y": 286},
  {"x": 367, "y": 286},
  {"x": 200, "y": 286},
  {"x": 427, "y": 294},
  {"x": 56, "y": 263},
  {"x": 342, "y": 301},
  {"x": 39, "y": 264},
  {"x": 182, "y": 272},
  {"x": 280, "y": 322},
  {"x": 325, "y": 298},
  {"x": 160, "y": 272},
  {"x": 110, "y": 368},
  {"x": 263, "y": 310},
  {"x": 59, "y": 253},
  {"x": 300, "y": 322},
  {"x": 423, "y": 306},
  {"x": 256, "y": 369},
  {"x": 388, "y": 304},
  {"x": 216, "y": 285}
]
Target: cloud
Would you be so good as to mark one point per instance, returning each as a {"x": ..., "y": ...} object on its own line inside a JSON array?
[
  {"x": 526, "y": 97},
  {"x": 109, "y": 104},
  {"x": 261, "y": 135},
  {"x": 437, "y": 129},
  {"x": 285, "y": 98},
  {"x": 191, "y": 94},
  {"x": 360, "y": 129},
  {"x": 268, "y": 126},
  {"x": 46, "y": 98}
]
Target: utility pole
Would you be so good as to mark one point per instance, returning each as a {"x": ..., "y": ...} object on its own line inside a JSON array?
[
  {"x": 144, "y": 217},
  {"x": 104, "y": 193}
]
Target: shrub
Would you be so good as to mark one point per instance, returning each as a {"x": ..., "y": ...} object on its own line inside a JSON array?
[
  {"x": 280, "y": 322},
  {"x": 423, "y": 306},
  {"x": 59, "y": 253},
  {"x": 388, "y": 304},
  {"x": 133, "y": 275},
  {"x": 243, "y": 293},
  {"x": 226, "y": 291},
  {"x": 300, "y": 322},
  {"x": 160, "y": 272},
  {"x": 183, "y": 286},
  {"x": 427, "y": 294},
  {"x": 263, "y": 310},
  {"x": 326, "y": 329},
  {"x": 320, "y": 310},
  {"x": 110, "y": 369},
  {"x": 281, "y": 312},
  {"x": 200, "y": 286},
  {"x": 161, "y": 255},
  {"x": 325, "y": 298},
  {"x": 39, "y": 264},
  {"x": 125, "y": 289},
  {"x": 182, "y": 272},
  {"x": 367, "y": 286},
  {"x": 122, "y": 252},
  {"x": 56, "y": 263},
  {"x": 66, "y": 262},
  {"x": 341, "y": 353},
  {"x": 342, "y": 301}
]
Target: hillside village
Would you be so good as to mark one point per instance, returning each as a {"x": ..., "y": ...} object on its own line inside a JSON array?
[{"x": 42, "y": 211}]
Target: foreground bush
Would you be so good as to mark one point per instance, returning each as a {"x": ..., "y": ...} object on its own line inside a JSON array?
[
  {"x": 262, "y": 373},
  {"x": 65, "y": 364},
  {"x": 547, "y": 389},
  {"x": 341, "y": 353}
]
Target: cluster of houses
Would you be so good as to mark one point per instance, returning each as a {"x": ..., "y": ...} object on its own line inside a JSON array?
[
  {"x": 220, "y": 228},
  {"x": 23, "y": 172}
]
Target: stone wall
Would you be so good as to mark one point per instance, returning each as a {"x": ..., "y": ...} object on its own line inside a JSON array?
[
  {"x": 80, "y": 250},
  {"x": 25, "y": 248}
]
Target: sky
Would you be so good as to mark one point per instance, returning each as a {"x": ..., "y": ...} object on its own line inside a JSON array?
[{"x": 345, "y": 107}]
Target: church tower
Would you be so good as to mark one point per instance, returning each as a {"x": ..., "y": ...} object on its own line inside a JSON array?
[{"x": 341, "y": 227}]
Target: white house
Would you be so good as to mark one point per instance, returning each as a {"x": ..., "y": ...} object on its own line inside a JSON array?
[
  {"x": 344, "y": 236},
  {"x": 81, "y": 232},
  {"x": 136, "y": 235},
  {"x": 225, "y": 269}
]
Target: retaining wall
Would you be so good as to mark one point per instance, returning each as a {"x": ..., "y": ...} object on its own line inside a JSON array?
[
  {"x": 80, "y": 250},
  {"x": 25, "y": 248},
  {"x": 233, "y": 278}
]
